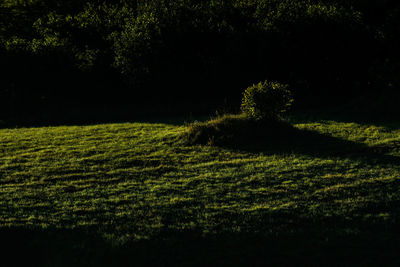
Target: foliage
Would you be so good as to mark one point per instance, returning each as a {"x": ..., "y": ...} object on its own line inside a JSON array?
[
  {"x": 266, "y": 100},
  {"x": 322, "y": 48},
  {"x": 262, "y": 106},
  {"x": 136, "y": 45}
]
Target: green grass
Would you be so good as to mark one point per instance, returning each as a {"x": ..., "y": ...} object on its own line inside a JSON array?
[{"x": 131, "y": 193}]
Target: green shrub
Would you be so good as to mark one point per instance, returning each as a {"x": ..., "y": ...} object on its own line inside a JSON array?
[{"x": 266, "y": 100}]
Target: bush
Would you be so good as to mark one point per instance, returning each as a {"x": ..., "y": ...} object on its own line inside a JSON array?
[{"x": 266, "y": 100}]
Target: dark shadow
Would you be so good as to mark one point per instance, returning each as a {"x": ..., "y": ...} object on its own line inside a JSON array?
[
  {"x": 292, "y": 139},
  {"x": 390, "y": 122},
  {"x": 283, "y": 138},
  {"x": 309, "y": 243}
]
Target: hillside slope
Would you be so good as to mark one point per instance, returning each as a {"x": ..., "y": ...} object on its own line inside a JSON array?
[{"x": 114, "y": 194}]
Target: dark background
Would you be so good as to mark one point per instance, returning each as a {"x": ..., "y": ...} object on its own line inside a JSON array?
[{"x": 95, "y": 60}]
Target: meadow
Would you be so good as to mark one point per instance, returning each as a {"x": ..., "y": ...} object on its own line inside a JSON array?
[
  {"x": 129, "y": 194},
  {"x": 319, "y": 188}
]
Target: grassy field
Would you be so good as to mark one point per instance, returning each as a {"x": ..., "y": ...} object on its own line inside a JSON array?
[{"x": 131, "y": 194}]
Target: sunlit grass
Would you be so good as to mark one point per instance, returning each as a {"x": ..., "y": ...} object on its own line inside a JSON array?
[{"x": 136, "y": 181}]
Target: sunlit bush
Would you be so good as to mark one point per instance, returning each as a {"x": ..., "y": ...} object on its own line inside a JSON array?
[{"x": 266, "y": 100}]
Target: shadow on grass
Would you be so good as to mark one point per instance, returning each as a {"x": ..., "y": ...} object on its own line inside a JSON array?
[
  {"x": 61, "y": 247},
  {"x": 279, "y": 137},
  {"x": 376, "y": 119},
  {"x": 302, "y": 141}
]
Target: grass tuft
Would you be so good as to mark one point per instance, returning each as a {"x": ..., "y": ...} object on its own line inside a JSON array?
[{"x": 235, "y": 129}]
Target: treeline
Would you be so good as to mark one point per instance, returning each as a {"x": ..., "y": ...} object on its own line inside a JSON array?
[{"x": 135, "y": 52}]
